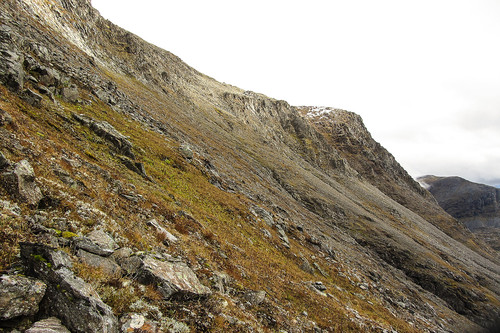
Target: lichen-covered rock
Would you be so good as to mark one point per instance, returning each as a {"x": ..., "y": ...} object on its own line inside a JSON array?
[
  {"x": 10, "y": 208},
  {"x": 103, "y": 240},
  {"x": 255, "y": 297},
  {"x": 121, "y": 254},
  {"x": 70, "y": 94},
  {"x": 88, "y": 245},
  {"x": 305, "y": 265},
  {"x": 19, "y": 296},
  {"x": 134, "y": 322},
  {"x": 107, "y": 265},
  {"x": 263, "y": 214},
  {"x": 67, "y": 297},
  {"x": 174, "y": 279},
  {"x": 108, "y": 132},
  {"x": 20, "y": 183},
  {"x": 49, "y": 325},
  {"x": 186, "y": 151},
  {"x": 283, "y": 237}
]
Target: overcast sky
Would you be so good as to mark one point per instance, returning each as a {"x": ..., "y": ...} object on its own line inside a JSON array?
[{"x": 424, "y": 75}]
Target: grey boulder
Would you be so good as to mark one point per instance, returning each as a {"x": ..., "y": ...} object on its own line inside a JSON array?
[
  {"x": 174, "y": 279},
  {"x": 106, "y": 265},
  {"x": 20, "y": 183},
  {"x": 20, "y": 296}
]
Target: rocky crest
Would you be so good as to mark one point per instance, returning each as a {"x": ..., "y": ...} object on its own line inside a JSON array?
[{"x": 149, "y": 197}]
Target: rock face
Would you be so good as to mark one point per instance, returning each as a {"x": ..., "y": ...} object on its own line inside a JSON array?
[
  {"x": 260, "y": 198},
  {"x": 108, "y": 132},
  {"x": 19, "y": 296},
  {"x": 11, "y": 68},
  {"x": 477, "y": 206}
]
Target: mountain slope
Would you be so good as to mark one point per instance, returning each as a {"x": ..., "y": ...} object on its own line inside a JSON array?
[
  {"x": 292, "y": 223},
  {"x": 475, "y": 205}
]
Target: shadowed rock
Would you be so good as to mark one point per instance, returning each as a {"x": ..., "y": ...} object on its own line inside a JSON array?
[
  {"x": 11, "y": 68},
  {"x": 67, "y": 297},
  {"x": 5, "y": 118}
]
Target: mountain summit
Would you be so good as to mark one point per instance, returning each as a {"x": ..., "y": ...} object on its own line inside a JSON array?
[{"x": 138, "y": 194}]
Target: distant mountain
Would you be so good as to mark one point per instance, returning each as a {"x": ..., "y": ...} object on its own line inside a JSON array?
[
  {"x": 138, "y": 194},
  {"x": 477, "y": 206}
]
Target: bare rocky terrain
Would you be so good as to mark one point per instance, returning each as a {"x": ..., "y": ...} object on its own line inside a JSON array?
[{"x": 139, "y": 195}]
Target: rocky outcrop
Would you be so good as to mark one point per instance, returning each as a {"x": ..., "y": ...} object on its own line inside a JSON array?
[
  {"x": 109, "y": 133},
  {"x": 20, "y": 183},
  {"x": 173, "y": 278},
  {"x": 11, "y": 67},
  {"x": 67, "y": 297}
]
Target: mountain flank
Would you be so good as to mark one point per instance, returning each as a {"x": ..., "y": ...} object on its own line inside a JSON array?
[
  {"x": 477, "y": 206},
  {"x": 138, "y": 194}
]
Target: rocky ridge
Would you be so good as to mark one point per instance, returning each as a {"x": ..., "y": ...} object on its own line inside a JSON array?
[{"x": 147, "y": 196}]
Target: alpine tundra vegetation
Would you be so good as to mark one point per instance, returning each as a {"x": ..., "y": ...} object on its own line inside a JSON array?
[{"x": 139, "y": 195}]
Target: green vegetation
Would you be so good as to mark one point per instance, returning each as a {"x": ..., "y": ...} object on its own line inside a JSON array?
[{"x": 228, "y": 236}]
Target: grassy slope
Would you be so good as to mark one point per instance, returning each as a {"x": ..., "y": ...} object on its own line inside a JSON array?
[
  {"x": 268, "y": 172},
  {"x": 222, "y": 218}
]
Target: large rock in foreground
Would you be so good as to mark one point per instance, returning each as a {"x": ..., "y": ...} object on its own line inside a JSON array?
[
  {"x": 67, "y": 297},
  {"x": 19, "y": 296},
  {"x": 174, "y": 279}
]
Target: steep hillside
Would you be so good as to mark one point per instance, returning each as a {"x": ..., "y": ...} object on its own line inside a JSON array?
[
  {"x": 346, "y": 131},
  {"x": 139, "y": 194},
  {"x": 477, "y": 206}
]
